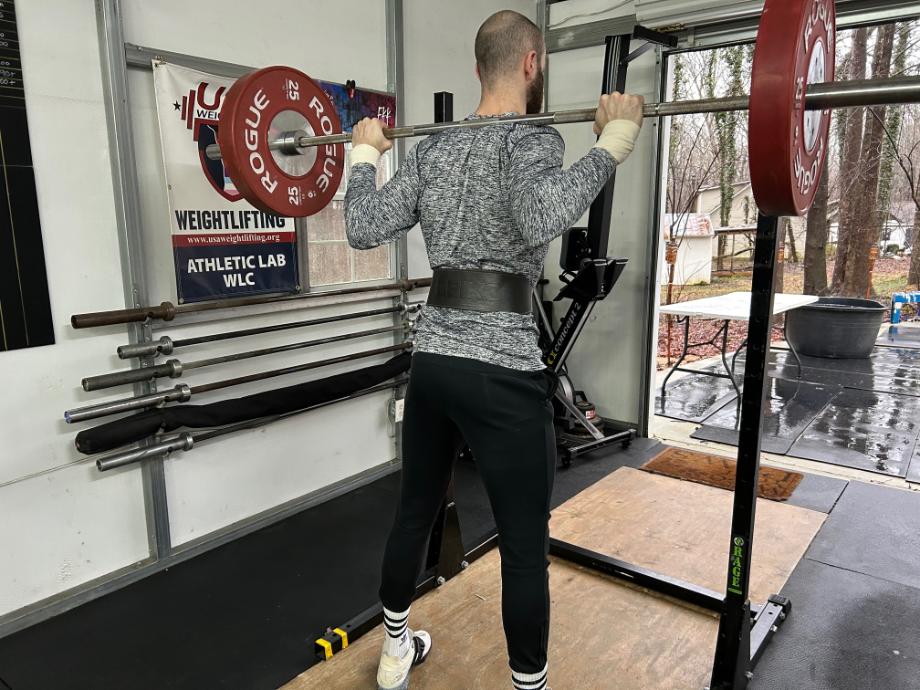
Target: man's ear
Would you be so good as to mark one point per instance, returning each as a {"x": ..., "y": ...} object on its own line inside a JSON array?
[
  {"x": 531, "y": 64},
  {"x": 476, "y": 69}
]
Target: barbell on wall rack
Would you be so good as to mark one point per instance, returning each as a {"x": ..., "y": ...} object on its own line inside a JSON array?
[
  {"x": 166, "y": 345},
  {"x": 184, "y": 392},
  {"x": 185, "y": 441},
  {"x": 167, "y": 311},
  {"x": 174, "y": 368}
]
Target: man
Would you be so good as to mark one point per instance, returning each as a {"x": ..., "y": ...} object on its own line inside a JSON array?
[{"x": 489, "y": 201}]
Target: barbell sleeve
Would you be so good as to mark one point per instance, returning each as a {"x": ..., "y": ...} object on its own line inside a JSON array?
[
  {"x": 163, "y": 346},
  {"x": 174, "y": 368},
  {"x": 171, "y": 368},
  {"x": 165, "y": 311},
  {"x": 824, "y": 96},
  {"x": 185, "y": 441},
  {"x": 181, "y": 393},
  {"x": 166, "y": 345}
]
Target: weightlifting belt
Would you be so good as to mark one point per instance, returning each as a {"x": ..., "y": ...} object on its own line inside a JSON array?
[{"x": 478, "y": 290}]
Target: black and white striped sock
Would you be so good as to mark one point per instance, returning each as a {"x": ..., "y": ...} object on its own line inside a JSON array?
[
  {"x": 530, "y": 681},
  {"x": 396, "y": 642}
]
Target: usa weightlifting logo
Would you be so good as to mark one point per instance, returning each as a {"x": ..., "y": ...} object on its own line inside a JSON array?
[{"x": 200, "y": 110}]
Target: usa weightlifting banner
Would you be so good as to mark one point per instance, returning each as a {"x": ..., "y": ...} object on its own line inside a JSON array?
[{"x": 222, "y": 245}]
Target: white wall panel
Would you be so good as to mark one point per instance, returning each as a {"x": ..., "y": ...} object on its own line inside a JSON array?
[
  {"x": 65, "y": 528},
  {"x": 574, "y": 12},
  {"x": 275, "y": 463},
  {"x": 340, "y": 40},
  {"x": 69, "y": 526},
  {"x": 656, "y": 13},
  {"x": 73, "y": 525},
  {"x": 82, "y": 524},
  {"x": 226, "y": 481}
]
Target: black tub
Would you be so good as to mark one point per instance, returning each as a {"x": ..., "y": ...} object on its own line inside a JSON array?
[{"x": 835, "y": 327}]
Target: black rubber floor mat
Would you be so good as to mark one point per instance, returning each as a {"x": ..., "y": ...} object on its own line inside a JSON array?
[
  {"x": 692, "y": 398},
  {"x": 846, "y": 631},
  {"x": 907, "y": 383},
  {"x": 715, "y": 434},
  {"x": 884, "y": 361},
  {"x": 906, "y": 335},
  {"x": 874, "y": 530},
  {"x": 792, "y": 407},
  {"x": 817, "y": 492},
  {"x": 863, "y": 429},
  {"x": 898, "y": 371}
]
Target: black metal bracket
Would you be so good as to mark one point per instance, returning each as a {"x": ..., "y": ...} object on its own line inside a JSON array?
[
  {"x": 590, "y": 285},
  {"x": 593, "y": 241},
  {"x": 643, "y": 33}
]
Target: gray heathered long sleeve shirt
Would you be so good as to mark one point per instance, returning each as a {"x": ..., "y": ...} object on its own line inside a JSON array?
[{"x": 489, "y": 198}]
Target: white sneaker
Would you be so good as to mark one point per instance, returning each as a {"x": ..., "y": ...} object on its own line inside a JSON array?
[{"x": 393, "y": 671}]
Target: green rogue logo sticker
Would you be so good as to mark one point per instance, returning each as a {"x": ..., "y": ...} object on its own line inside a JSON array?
[{"x": 737, "y": 561}]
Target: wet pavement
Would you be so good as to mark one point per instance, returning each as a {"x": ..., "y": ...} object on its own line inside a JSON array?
[
  {"x": 793, "y": 405},
  {"x": 905, "y": 335},
  {"x": 693, "y": 398}
]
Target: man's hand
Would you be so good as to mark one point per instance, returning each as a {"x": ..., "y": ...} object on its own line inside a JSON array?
[
  {"x": 370, "y": 131},
  {"x": 618, "y": 106}
]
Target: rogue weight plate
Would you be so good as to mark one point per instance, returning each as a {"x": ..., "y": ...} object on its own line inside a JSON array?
[
  {"x": 258, "y": 109},
  {"x": 787, "y": 144}
]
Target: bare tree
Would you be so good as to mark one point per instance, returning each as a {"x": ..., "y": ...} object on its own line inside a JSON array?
[
  {"x": 906, "y": 145},
  {"x": 865, "y": 231},
  {"x": 892, "y": 125},
  {"x": 815, "y": 263},
  {"x": 849, "y": 163}
]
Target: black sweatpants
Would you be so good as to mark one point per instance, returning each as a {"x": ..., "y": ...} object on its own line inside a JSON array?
[{"x": 506, "y": 418}]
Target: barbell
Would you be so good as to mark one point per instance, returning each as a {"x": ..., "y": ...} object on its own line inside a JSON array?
[
  {"x": 825, "y": 96},
  {"x": 296, "y": 172}
]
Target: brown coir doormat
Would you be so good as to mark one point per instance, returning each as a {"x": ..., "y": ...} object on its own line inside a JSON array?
[{"x": 715, "y": 470}]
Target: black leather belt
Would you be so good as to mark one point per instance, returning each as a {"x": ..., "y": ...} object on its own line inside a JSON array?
[{"x": 484, "y": 291}]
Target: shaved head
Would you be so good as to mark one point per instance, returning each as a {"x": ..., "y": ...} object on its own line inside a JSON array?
[{"x": 502, "y": 42}]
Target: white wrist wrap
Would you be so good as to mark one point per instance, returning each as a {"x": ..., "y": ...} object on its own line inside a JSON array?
[
  {"x": 618, "y": 139},
  {"x": 363, "y": 153}
]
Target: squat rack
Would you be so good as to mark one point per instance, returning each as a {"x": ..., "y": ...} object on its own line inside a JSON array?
[{"x": 744, "y": 628}]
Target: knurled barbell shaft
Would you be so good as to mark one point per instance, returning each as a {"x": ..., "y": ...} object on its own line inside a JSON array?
[{"x": 825, "y": 96}]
